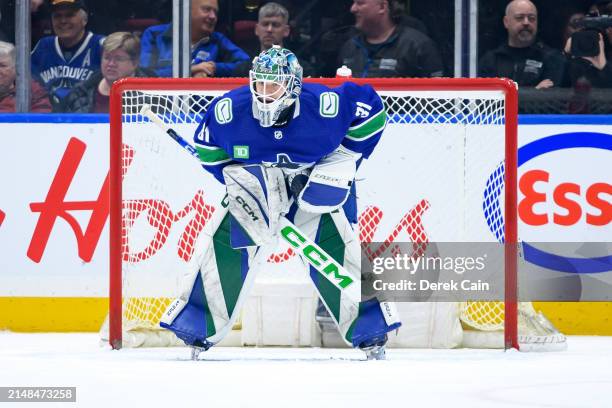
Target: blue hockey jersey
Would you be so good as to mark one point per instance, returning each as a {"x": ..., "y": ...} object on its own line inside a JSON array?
[
  {"x": 59, "y": 75},
  {"x": 324, "y": 118}
]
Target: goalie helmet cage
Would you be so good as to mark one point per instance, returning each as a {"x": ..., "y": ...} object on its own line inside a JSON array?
[{"x": 507, "y": 96}]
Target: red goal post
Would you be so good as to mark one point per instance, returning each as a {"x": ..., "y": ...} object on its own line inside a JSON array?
[{"x": 453, "y": 86}]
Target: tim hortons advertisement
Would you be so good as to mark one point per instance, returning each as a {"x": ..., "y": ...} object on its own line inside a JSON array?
[
  {"x": 54, "y": 209},
  {"x": 418, "y": 187}
]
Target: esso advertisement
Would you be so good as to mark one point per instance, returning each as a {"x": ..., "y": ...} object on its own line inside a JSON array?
[
  {"x": 565, "y": 188},
  {"x": 565, "y": 196}
]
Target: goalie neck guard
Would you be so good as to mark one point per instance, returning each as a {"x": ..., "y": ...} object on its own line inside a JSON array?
[{"x": 275, "y": 82}]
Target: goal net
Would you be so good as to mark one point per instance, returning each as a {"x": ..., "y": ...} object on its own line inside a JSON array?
[{"x": 439, "y": 174}]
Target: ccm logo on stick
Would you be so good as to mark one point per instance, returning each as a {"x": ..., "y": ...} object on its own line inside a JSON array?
[{"x": 316, "y": 256}]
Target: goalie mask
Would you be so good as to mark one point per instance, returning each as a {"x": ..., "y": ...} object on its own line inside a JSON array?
[{"x": 276, "y": 82}]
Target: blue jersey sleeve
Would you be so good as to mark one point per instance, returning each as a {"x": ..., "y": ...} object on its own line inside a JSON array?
[
  {"x": 156, "y": 50},
  {"x": 369, "y": 119},
  {"x": 36, "y": 57},
  {"x": 147, "y": 42},
  {"x": 212, "y": 156}
]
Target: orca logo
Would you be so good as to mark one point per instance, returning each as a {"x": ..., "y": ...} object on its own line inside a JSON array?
[{"x": 283, "y": 161}]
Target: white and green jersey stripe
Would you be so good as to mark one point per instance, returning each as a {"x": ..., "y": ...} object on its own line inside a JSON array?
[
  {"x": 212, "y": 155},
  {"x": 368, "y": 128}
]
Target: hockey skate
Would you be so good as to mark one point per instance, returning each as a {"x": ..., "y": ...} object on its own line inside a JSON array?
[
  {"x": 375, "y": 348},
  {"x": 198, "y": 348}
]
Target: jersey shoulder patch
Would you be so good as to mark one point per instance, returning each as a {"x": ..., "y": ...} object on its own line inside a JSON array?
[
  {"x": 328, "y": 104},
  {"x": 238, "y": 100},
  {"x": 223, "y": 111}
]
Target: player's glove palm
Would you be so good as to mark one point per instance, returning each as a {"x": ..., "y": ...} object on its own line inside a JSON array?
[{"x": 297, "y": 181}]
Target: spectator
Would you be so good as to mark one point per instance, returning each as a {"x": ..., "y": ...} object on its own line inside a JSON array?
[
  {"x": 212, "y": 53},
  {"x": 587, "y": 62},
  {"x": 386, "y": 48},
  {"x": 524, "y": 59},
  {"x": 572, "y": 25},
  {"x": 272, "y": 28},
  {"x": 272, "y": 25},
  {"x": 588, "y": 69},
  {"x": 69, "y": 57},
  {"x": 39, "y": 99},
  {"x": 120, "y": 55}
]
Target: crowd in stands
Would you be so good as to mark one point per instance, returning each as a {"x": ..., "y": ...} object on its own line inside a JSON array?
[
  {"x": 531, "y": 63},
  {"x": 74, "y": 68},
  {"x": 39, "y": 99}
]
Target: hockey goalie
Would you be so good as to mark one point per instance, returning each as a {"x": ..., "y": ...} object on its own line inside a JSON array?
[{"x": 287, "y": 153}]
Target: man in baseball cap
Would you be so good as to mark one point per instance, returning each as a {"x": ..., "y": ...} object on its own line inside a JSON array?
[
  {"x": 74, "y": 4},
  {"x": 70, "y": 56}
]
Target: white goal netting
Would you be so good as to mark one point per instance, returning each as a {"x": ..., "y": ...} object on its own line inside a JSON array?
[{"x": 437, "y": 175}]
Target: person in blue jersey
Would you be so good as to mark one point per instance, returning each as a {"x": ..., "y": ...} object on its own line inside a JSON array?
[
  {"x": 212, "y": 53},
  {"x": 70, "y": 56},
  {"x": 287, "y": 153}
]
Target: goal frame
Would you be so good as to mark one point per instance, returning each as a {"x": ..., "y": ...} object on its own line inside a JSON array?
[{"x": 508, "y": 87}]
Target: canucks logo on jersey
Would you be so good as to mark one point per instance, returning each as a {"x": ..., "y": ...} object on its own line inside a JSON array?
[{"x": 329, "y": 104}]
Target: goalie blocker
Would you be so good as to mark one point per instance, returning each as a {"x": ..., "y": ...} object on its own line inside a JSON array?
[{"x": 237, "y": 242}]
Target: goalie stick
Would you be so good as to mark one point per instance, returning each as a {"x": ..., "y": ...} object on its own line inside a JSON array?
[
  {"x": 318, "y": 258},
  {"x": 148, "y": 112}
]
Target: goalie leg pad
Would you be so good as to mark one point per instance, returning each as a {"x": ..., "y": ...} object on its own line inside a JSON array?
[
  {"x": 333, "y": 233},
  {"x": 185, "y": 318},
  {"x": 212, "y": 296},
  {"x": 358, "y": 322},
  {"x": 257, "y": 199}
]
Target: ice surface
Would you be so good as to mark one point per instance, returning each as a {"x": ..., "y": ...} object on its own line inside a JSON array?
[{"x": 288, "y": 378}]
